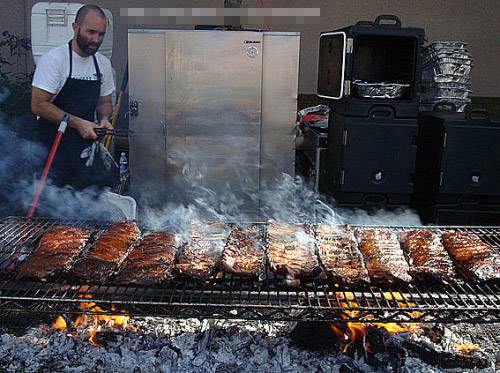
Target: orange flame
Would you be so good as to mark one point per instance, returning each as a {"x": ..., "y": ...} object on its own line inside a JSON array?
[
  {"x": 59, "y": 324},
  {"x": 466, "y": 348},
  {"x": 355, "y": 331},
  {"x": 94, "y": 318},
  {"x": 97, "y": 321}
]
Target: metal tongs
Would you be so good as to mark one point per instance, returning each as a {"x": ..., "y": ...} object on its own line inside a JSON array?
[{"x": 117, "y": 132}]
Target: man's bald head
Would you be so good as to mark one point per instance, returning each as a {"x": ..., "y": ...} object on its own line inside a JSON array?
[
  {"x": 89, "y": 29},
  {"x": 86, "y": 9}
]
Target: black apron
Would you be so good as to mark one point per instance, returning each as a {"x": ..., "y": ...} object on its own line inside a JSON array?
[{"x": 77, "y": 97}]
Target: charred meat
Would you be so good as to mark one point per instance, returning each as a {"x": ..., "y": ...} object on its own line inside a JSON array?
[
  {"x": 291, "y": 252},
  {"x": 243, "y": 254},
  {"x": 151, "y": 262},
  {"x": 477, "y": 260},
  {"x": 427, "y": 256},
  {"x": 57, "y": 250},
  {"x": 201, "y": 254},
  {"x": 383, "y": 256},
  {"x": 339, "y": 254},
  {"x": 107, "y": 253}
]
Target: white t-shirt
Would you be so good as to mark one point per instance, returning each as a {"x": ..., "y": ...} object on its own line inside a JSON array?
[{"x": 53, "y": 70}]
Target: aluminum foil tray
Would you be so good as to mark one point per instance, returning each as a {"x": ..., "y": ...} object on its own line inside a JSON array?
[
  {"x": 454, "y": 90},
  {"x": 448, "y": 60},
  {"x": 450, "y": 68},
  {"x": 446, "y": 54},
  {"x": 456, "y": 85},
  {"x": 446, "y": 45},
  {"x": 380, "y": 90},
  {"x": 445, "y": 92},
  {"x": 450, "y": 78}
]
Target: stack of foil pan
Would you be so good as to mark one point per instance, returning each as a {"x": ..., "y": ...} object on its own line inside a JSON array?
[{"x": 446, "y": 82}]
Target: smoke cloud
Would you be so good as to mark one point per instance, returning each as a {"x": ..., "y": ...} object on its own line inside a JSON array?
[
  {"x": 21, "y": 164},
  {"x": 289, "y": 199}
]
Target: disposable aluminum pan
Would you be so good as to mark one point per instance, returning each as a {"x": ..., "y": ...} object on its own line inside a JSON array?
[
  {"x": 457, "y": 85},
  {"x": 446, "y": 60},
  {"x": 446, "y": 45},
  {"x": 453, "y": 89},
  {"x": 380, "y": 90},
  {"x": 451, "y": 55},
  {"x": 450, "y": 78},
  {"x": 459, "y": 69},
  {"x": 446, "y": 92}
]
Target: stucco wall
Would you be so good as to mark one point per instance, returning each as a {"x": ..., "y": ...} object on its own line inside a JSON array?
[{"x": 473, "y": 21}]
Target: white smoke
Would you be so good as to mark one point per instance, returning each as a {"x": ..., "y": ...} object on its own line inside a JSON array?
[
  {"x": 22, "y": 159},
  {"x": 289, "y": 199}
]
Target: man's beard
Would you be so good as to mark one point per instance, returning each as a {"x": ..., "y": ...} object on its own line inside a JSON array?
[{"x": 84, "y": 45}]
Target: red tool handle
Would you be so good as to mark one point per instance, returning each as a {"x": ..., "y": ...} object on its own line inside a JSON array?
[{"x": 46, "y": 169}]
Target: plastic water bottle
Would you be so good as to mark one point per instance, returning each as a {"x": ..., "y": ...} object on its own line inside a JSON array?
[{"x": 123, "y": 165}]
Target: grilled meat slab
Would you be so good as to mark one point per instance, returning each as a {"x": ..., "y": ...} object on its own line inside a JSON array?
[
  {"x": 151, "y": 262},
  {"x": 339, "y": 254},
  {"x": 107, "y": 253},
  {"x": 291, "y": 252},
  {"x": 57, "y": 250},
  {"x": 477, "y": 260},
  {"x": 243, "y": 254},
  {"x": 200, "y": 256},
  {"x": 383, "y": 256},
  {"x": 427, "y": 256}
]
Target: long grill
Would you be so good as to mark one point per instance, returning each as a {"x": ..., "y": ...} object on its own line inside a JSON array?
[{"x": 233, "y": 297}]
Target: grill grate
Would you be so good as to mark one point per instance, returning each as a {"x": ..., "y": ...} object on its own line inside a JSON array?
[{"x": 233, "y": 297}]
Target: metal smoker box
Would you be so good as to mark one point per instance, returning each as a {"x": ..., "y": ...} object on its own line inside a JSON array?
[{"x": 212, "y": 112}]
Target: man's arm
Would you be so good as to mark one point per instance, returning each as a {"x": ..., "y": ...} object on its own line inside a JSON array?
[
  {"x": 104, "y": 111},
  {"x": 42, "y": 106}
]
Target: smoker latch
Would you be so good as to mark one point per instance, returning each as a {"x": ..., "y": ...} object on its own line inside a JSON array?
[
  {"x": 349, "y": 45},
  {"x": 165, "y": 134},
  {"x": 134, "y": 108},
  {"x": 344, "y": 137},
  {"x": 441, "y": 178},
  {"x": 445, "y": 139},
  {"x": 347, "y": 87},
  {"x": 342, "y": 177}
]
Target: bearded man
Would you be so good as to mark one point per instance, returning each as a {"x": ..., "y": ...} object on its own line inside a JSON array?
[{"x": 75, "y": 83}]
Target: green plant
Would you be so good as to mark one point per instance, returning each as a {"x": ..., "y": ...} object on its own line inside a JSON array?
[{"x": 15, "y": 85}]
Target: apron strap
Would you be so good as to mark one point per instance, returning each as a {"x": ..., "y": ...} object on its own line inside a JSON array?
[
  {"x": 97, "y": 69},
  {"x": 70, "y": 60}
]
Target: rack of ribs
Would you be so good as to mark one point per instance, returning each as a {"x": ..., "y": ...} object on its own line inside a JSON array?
[
  {"x": 477, "y": 260},
  {"x": 383, "y": 256},
  {"x": 427, "y": 256},
  {"x": 291, "y": 252},
  {"x": 107, "y": 253},
  {"x": 200, "y": 256},
  {"x": 57, "y": 250},
  {"x": 339, "y": 254},
  {"x": 151, "y": 262},
  {"x": 244, "y": 254}
]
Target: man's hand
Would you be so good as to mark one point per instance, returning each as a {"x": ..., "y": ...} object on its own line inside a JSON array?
[
  {"x": 105, "y": 124},
  {"x": 85, "y": 128}
]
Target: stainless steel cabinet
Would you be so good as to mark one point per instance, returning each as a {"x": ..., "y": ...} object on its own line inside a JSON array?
[{"x": 211, "y": 112}]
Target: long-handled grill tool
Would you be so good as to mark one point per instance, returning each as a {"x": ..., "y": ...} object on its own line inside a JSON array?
[
  {"x": 117, "y": 132},
  {"x": 48, "y": 165},
  {"x": 116, "y": 115}
]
